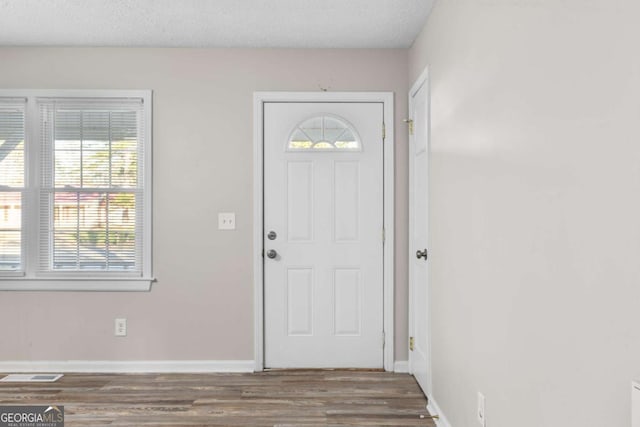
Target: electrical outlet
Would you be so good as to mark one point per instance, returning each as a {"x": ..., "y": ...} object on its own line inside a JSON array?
[
  {"x": 226, "y": 221},
  {"x": 482, "y": 419},
  {"x": 121, "y": 327}
]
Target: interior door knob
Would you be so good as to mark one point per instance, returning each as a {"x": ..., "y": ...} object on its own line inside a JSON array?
[
  {"x": 421, "y": 254},
  {"x": 271, "y": 253}
]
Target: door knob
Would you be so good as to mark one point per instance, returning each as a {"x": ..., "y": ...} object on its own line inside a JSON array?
[
  {"x": 421, "y": 254},
  {"x": 271, "y": 253}
]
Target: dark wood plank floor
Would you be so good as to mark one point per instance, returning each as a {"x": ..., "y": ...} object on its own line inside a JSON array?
[{"x": 273, "y": 398}]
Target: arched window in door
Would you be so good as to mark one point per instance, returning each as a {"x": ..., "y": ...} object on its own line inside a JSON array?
[{"x": 324, "y": 133}]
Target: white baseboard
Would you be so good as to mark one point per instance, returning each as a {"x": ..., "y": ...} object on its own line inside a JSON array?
[
  {"x": 401, "y": 367},
  {"x": 133, "y": 366},
  {"x": 434, "y": 409}
]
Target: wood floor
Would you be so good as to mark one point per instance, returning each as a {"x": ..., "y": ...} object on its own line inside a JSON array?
[{"x": 275, "y": 398}]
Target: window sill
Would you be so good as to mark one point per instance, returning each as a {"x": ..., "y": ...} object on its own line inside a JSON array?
[{"x": 77, "y": 285}]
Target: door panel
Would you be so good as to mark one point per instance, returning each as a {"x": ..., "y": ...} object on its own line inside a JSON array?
[
  {"x": 324, "y": 285},
  {"x": 418, "y": 266},
  {"x": 346, "y": 190},
  {"x": 300, "y": 190},
  {"x": 300, "y": 301},
  {"x": 347, "y": 302}
]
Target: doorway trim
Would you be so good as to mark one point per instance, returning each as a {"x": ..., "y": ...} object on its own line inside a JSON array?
[{"x": 259, "y": 99}]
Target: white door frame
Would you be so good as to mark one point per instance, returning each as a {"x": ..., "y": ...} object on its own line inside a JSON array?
[
  {"x": 259, "y": 99},
  {"x": 421, "y": 81}
]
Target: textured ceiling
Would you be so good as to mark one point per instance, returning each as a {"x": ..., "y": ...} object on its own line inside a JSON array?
[{"x": 213, "y": 23}]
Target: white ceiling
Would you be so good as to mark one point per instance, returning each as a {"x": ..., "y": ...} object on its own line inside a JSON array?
[{"x": 213, "y": 23}]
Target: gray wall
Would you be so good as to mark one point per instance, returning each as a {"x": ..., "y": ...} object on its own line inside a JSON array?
[
  {"x": 535, "y": 200},
  {"x": 202, "y": 306}
]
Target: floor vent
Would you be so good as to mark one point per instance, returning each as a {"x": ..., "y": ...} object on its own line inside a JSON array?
[{"x": 31, "y": 378}]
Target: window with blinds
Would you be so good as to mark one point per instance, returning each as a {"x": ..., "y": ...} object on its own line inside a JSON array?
[
  {"x": 92, "y": 185},
  {"x": 75, "y": 190},
  {"x": 12, "y": 182}
]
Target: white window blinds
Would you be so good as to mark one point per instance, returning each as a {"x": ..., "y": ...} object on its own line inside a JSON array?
[
  {"x": 92, "y": 186},
  {"x": 12, "y": 182}
]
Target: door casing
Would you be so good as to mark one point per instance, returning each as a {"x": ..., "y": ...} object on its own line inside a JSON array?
[{"x": 259, "y": 99}]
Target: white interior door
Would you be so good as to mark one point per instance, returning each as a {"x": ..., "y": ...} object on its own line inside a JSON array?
[
  {"x": 419, "y": 353},
  {"x": 323, "y": 243}
]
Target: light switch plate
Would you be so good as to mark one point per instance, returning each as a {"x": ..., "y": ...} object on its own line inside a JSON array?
[
  {"x": 120, "y": 327},
  {"x": 226, "y": 221}
]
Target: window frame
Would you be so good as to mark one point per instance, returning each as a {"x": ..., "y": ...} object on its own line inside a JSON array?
[{"x": 27, "y": 279}]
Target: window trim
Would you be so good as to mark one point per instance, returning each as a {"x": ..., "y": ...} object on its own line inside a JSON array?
[{"x": 28, "y": 279}]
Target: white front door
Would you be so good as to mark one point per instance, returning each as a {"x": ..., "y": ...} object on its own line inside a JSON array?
[
  {"x": 323, "y": 242},
  {"x": 419, "y": 353}
]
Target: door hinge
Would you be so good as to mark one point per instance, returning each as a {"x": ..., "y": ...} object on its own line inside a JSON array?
[
  {"x": 410, "y": 123},
  {"x": 383, "y": 339},
  {"x": 411, "y": 343},
  {"x": 384, "y": 236},
  {"x": 384, "y": 131}
]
